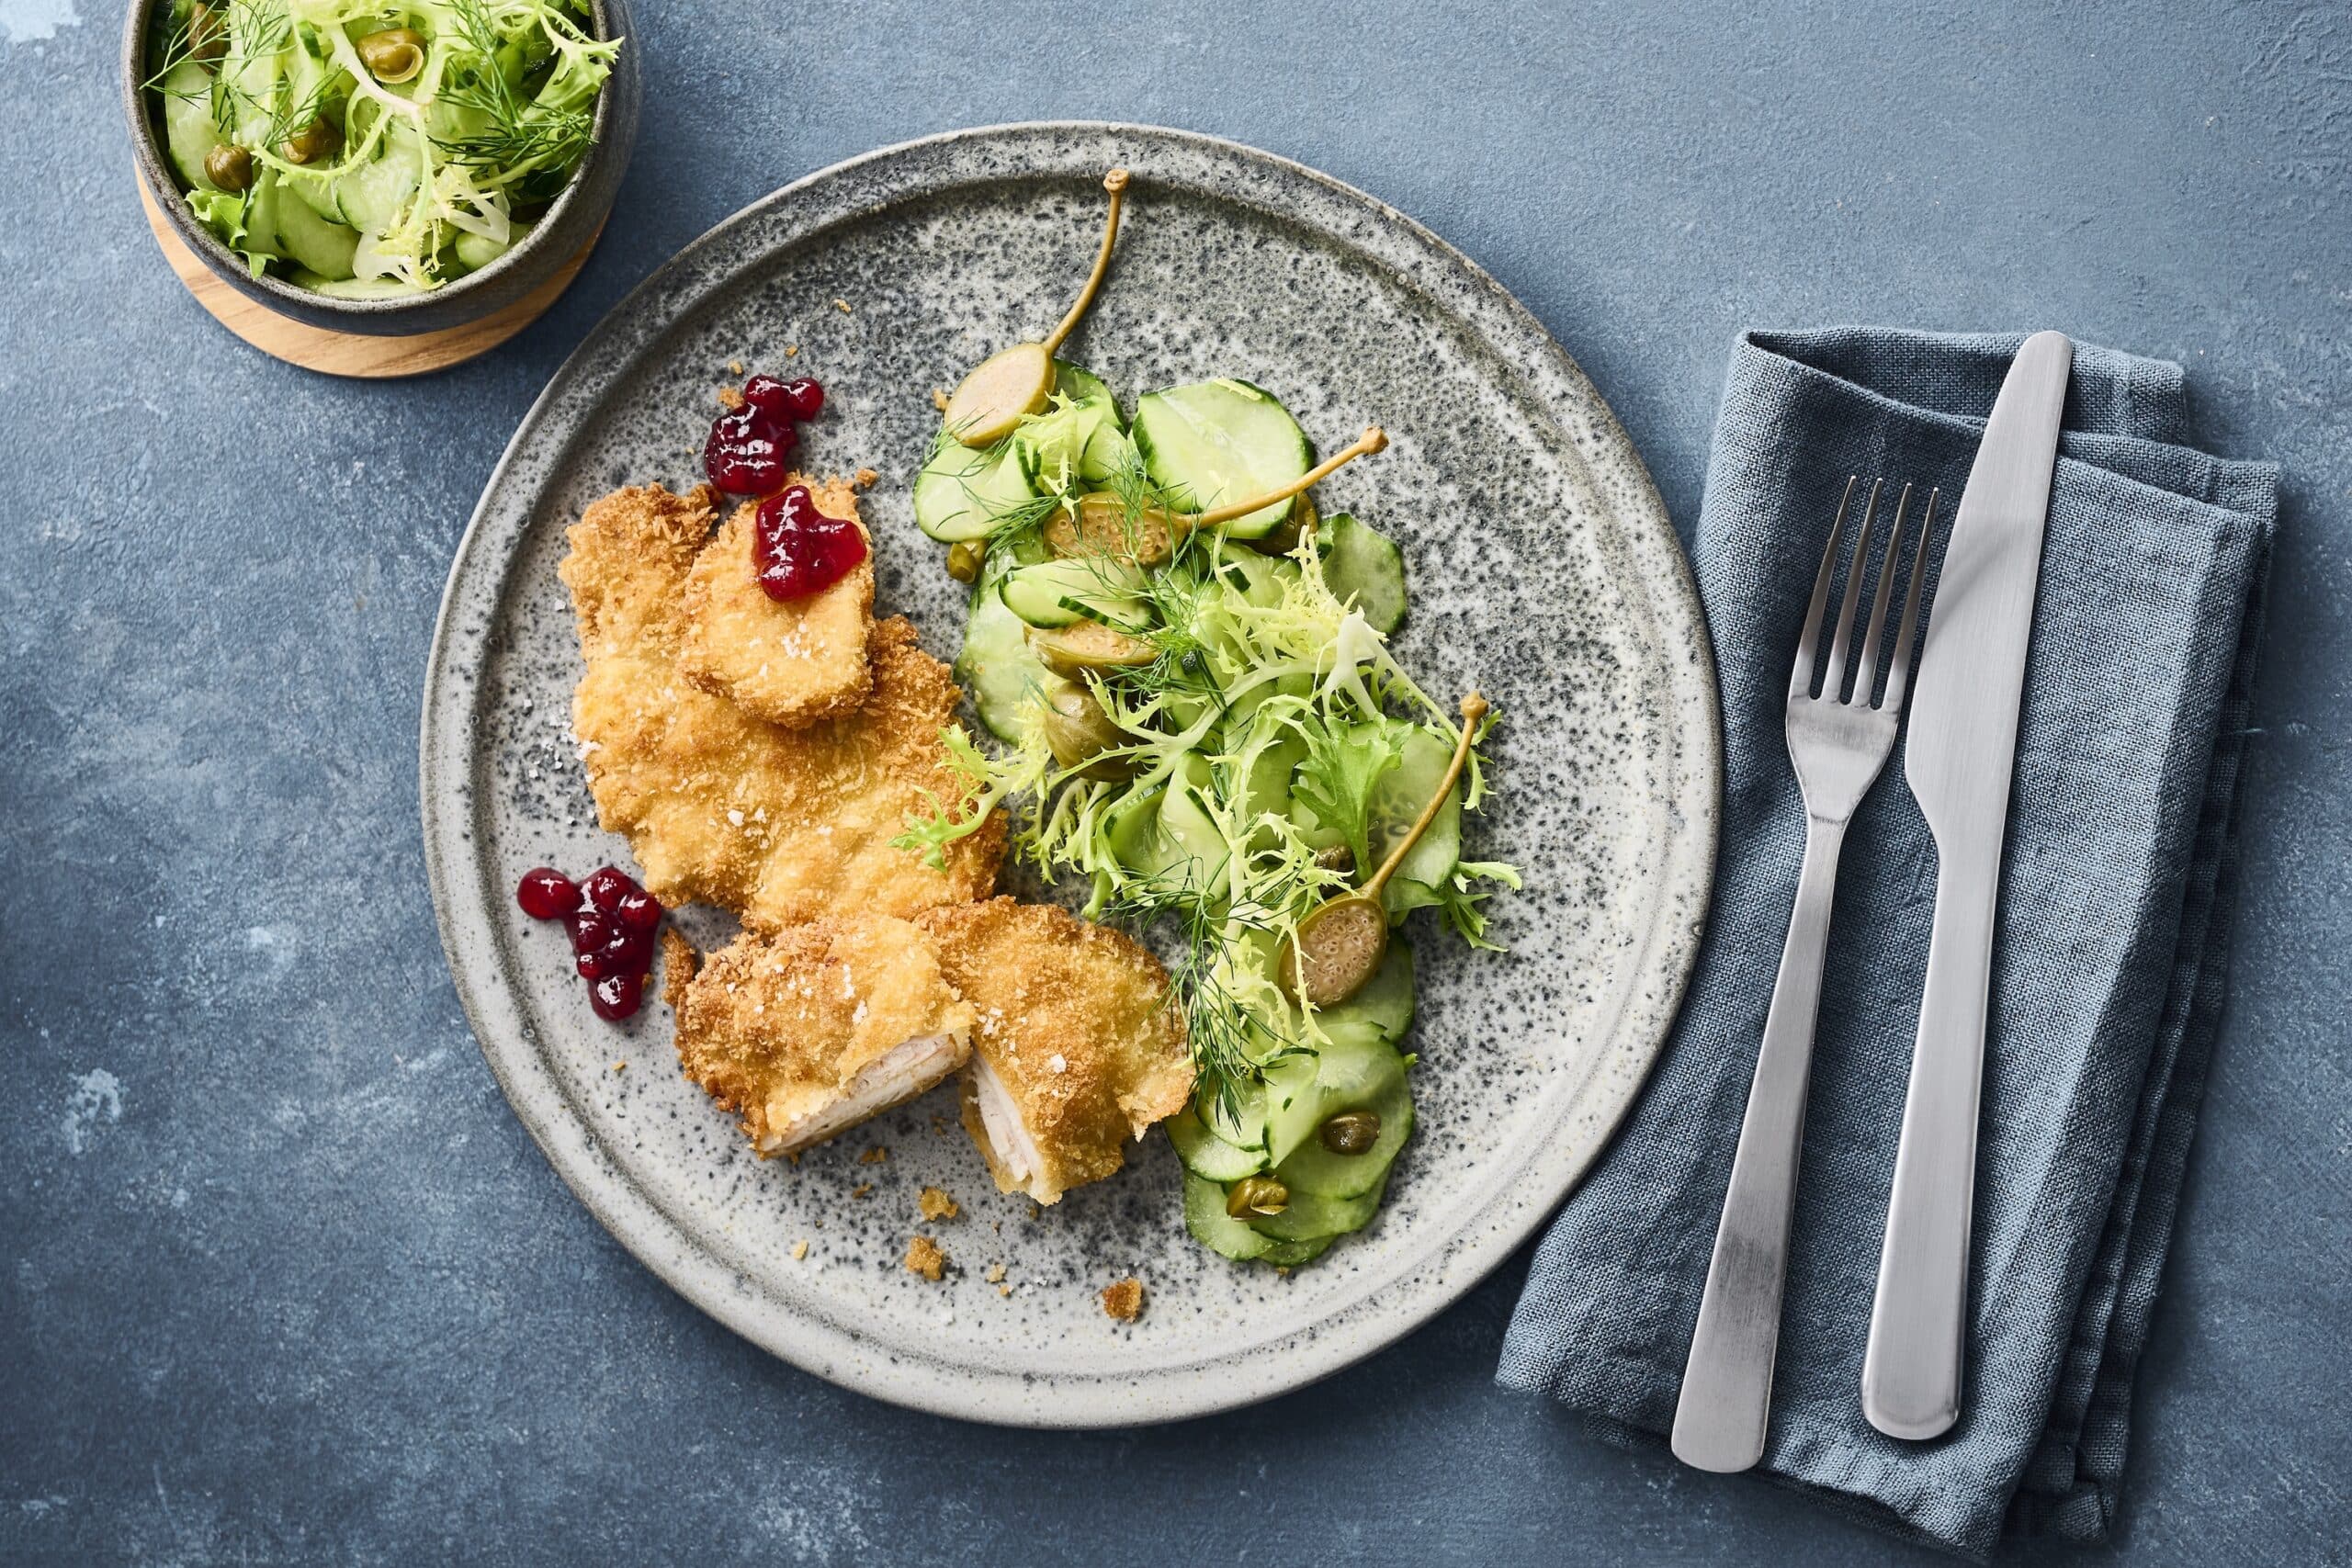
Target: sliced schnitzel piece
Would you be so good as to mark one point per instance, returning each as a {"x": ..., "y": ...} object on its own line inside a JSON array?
[
  {"x": 781, "y": 826},
  {"x": 1078, "y": 1047},
  {"x": 790, "y": 661},
  {"x": 810, "y": 1030}
]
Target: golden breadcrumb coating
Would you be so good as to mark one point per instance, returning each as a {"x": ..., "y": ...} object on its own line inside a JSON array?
[
  {"x": 1078, "y": 1042},
  {"x": 808, "y": 1032},
  {"x": 780, "y": 825},
  {"x": 679, "y": 962},
  {"x": 936, "y": 1203},
  {"x": 789, "y": 662}
]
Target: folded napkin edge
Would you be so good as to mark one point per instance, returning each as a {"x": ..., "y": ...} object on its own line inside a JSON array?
[{"x": 2080, "y": 451}]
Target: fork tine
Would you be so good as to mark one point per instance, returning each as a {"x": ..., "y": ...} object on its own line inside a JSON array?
[
  {"x": 1835, "y": 681},
  {"x": 1809, "y": 638},
  {"x": 1866, "y": 662},
  {"x": 1899, "y": 672}
]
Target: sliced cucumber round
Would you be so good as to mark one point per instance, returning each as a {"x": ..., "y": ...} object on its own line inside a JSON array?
[
  {"x": 1291, "y": 1254},
  {"x": 190, "y": 132},
  {"x": 370, "y": 196},
  {"x": 1309, "y": 1215},
  {"x": 1195, "y": 853},
  {"x": 309, "y": 239},
  {"x": 1383, "y": 1010},
  {"x": 1057, "y": 592},
  {"x": 1359, "y": 1074},
  {"x": 996, "y": 665},
  {"x": 1369, "y": 1078},
  {"x": 1080, "y": 385},
  {"x": 1207, "y": 1156},
  {"x": 1218, "y": 441},
  {"x": 1363, "y": 568},
  {"x": 1396, "y": 803},
  {"x": 961, "y": 494}
]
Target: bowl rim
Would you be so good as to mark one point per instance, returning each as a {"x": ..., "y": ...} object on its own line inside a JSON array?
[{"x": 155, "y": 171}]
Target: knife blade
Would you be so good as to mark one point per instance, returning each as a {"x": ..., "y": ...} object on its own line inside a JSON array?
[{"x": 1960, "y": 760}]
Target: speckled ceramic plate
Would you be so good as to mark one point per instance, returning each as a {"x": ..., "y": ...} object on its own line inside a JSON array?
[{"x": 1543, "y": 569}]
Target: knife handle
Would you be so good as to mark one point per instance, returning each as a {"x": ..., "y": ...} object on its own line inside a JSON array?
[{"x": 1911, "y": 1371}]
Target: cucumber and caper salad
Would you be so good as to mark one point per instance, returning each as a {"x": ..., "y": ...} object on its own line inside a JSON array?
[
  {"x": 371, "y": 149},
  {"x": 1187, "y": 665}
]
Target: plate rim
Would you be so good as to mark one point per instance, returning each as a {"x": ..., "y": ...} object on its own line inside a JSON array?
[{"x": 1489, "y": 1232}]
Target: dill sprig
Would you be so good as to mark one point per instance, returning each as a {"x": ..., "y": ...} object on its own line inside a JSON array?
[
  {"x": 1220, "y": 1028},
  {"x": 530, "y": 142}
]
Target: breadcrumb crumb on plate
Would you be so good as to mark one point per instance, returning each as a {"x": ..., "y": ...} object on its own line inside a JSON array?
[
  {"x": 936, "y": 1204},
  {"x": 924, "y": 1257},
  {"x": 1124, "y": 1298}
]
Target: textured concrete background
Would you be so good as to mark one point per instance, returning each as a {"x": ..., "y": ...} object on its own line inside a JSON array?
[{"x": 283, "y": 1281}]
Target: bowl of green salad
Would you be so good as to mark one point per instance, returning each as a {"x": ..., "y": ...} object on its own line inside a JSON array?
[{"x": 382, "y": 166}]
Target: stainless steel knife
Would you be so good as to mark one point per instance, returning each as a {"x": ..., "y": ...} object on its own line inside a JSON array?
[{"x": 1959, "y": 759}]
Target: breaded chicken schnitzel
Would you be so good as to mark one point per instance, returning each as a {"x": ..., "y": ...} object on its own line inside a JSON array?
[
  {"x": 809, "y": 1032},
  {"x": 781, "y": 826},
  {"x": 1079, "y": 1046},
  {"x": 790, "y": 661}
]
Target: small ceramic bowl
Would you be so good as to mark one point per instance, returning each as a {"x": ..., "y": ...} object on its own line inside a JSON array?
[{"x": 570, "y": 224}]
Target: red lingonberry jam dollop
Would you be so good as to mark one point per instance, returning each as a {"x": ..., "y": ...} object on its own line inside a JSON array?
[
  {"x": 797, "y": 550},
  {"x": 751, "y": 442},
  {"x": 615, "y": 997},
  {"x": 799, "y": 400},
  {"x": 547, "y": 894},
  {"x": 591, "y": 931},
  {"x": 607, "y": 886},
  {"x": 610, "y": 921},
  {"x": 746, "y": 450}
]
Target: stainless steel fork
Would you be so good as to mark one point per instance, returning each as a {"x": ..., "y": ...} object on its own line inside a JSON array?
[{"x": 1838, "y": 744}]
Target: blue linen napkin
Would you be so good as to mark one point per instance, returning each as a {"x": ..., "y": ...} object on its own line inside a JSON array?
[{"x": 2108, "y": 972}]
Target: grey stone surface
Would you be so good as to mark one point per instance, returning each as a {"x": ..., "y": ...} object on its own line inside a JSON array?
[{"x": 285, "y": 1281}]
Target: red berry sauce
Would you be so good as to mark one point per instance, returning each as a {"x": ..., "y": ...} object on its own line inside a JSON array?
[
  {"x": 611, "y": 921},
  {"x": 797, "y": 550},
  {"x": 751, "y": 445}
]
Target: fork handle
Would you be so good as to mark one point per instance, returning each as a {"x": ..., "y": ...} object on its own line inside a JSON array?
[
  {"x": 1720, "y": 1421},
  {"x": 1911, "y": 1371}
]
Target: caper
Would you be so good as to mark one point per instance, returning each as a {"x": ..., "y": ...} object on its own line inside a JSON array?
[
  {"x": 1352, "y": 1132},
  {"x": 1256, "y": 1195},
  {"x": 1336, "y": 857},
  {"x": 963, "y": 561},
  {"x": 1339, "y": 945},
  {"x": 1078, "y": 729},
  {"x": 229, "y": 166},
  {"x": 1074, "y": 649},
  {"x": 394, "y": 55},
  {"x": 207, "y": 36},
  {"x": 313, "y": 142},
  {"x": 1016, "y": 382}
]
